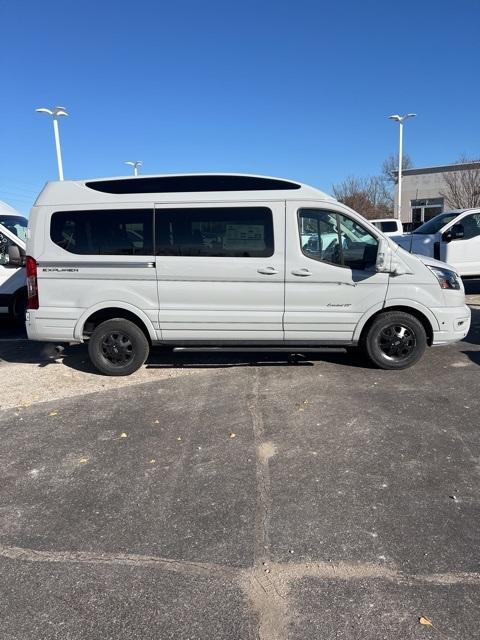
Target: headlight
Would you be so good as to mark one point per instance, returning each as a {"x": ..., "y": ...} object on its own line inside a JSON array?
[{"x": 446, "y": 279}]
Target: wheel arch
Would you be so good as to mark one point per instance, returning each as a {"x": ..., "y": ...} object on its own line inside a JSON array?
[
  {"x": 424, "y": 315},
  {"x": 93, "y": 316}
]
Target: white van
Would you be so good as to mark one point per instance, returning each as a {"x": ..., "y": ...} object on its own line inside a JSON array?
[
  {"x": 452, "y": 236},
  {"x": 388, "y": 226},
  {"x": 13, "y": 290},
  {"x": 227, "y": 260}
]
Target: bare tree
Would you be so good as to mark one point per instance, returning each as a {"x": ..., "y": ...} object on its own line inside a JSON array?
[
  {"x": 369, "y": 196},
  {"x": 462, "y": 187},
  {"x": 390, "y": 167}
]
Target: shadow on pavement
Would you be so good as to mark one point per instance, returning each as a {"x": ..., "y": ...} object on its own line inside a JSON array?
[
  {"x": 226, "y": 359},
  {"x": 76, "y": 357},
  {"x": 472, "y": 287},
  {"x": 473, "y": 336},
  {"x": 473, "y": 355}
]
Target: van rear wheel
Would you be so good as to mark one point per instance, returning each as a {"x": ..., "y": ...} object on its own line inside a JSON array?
[
  {"x": 118, "y": 347},
  {"x": 395, "y": 340}
]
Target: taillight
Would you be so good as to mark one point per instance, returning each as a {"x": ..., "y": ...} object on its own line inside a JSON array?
[{"x": 32, "y": 284}]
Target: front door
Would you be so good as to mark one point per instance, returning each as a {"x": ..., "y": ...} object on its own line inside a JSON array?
[
  {"x": 331, "y": 279},
  {"x": 464, "y": 253},
  {"x": 220, "y": 271}
]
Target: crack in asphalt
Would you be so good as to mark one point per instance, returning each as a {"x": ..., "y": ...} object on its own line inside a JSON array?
[
  {"x": 262, "y": 515},
  {"x": 268, "y": 593},
  {"x": 282, "y": 572}
]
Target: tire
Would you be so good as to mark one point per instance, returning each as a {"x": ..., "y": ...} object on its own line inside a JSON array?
[
  {"x": 18, "y": 307},
  {"x": 395, "y": 340},
  {"x": 118, "y": 347}
]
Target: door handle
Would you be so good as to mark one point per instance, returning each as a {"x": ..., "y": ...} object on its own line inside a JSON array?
[
  {"x": 302, "y": 272},
  {"x": 348, "y": 284},
  {"x": 268, "y": 271}
]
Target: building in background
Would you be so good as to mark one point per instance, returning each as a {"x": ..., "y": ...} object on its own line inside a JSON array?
[{"x": 424, "y": 191}]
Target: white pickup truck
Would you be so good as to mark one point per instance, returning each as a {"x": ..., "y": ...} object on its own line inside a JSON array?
[
  {"x": 388, "y": 226},
  {"x": 452, "y": 237},
  {"x": 13, "y": 289}
]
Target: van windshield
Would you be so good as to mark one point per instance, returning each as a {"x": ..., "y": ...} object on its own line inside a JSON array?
[
  {"x": 16, "y": 225},
  {"x": 435, "y": 224}
]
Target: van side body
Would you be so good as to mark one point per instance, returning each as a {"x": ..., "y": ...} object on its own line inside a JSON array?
[
  {"x": 12, "y": 278},
  {"x": 242, "y": 260}
]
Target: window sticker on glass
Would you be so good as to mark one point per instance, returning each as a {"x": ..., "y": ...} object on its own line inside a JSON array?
[{"x": 244, "y": 236}]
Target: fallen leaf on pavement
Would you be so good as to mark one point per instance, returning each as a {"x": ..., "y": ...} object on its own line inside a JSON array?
[
  {"x": 425, "y": 621},
  {"x": 124, "y": 435},
  {"x": 53, "y": 413},
  {"x": 83, "y": 460},
  {"x": 233, "y": 435}
]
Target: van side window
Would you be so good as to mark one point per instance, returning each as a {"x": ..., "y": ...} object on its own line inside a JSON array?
[
  {"x": 471, "y": 226},
  {"x": 5, "y": 243},
  {"x": 328, "y": 236},
  {"x": 113, "y": 232},
  {"x": 237, "y": 232}
]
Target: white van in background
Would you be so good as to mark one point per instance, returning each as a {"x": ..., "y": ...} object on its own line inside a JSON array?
[
  {"x": 227, "y": 260},
  {"x": 388, "y": 226},
  {"x": 451, "y": 236},
  {"x": 13, "y": 290}
]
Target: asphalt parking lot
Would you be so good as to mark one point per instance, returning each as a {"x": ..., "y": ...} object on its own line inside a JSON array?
[{"x": 240, "y": 496}]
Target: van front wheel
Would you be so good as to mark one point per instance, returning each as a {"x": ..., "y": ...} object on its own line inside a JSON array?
[
  {"x": 118, "y": 347},
  {"x": 396, "y": 340}
]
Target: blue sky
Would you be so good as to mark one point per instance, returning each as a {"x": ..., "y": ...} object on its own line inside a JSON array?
[{"x": 298, "y": 89}]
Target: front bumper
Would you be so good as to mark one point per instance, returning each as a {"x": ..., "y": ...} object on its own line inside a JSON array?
[{"x": 454, "y": 323}]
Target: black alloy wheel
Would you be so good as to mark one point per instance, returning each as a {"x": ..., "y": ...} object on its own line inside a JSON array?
[
  {"x": 395, "y": 340},
  {"x": 118, "y": 347}
]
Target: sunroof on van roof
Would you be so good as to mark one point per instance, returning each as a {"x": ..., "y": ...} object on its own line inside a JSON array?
[{"x": 192, "y": 183}]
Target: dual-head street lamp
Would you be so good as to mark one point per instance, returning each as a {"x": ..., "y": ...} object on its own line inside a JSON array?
[
  {"x": 135, "y": 164},
  {"x": 400, "y": 120},
  {"x": 56, "y": 113}
]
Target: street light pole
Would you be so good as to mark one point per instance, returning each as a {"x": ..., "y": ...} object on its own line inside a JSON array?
[
  {"x": 135, "y": 164},
  {"x": 56, "y": 112},
  {"x": 400, "y": 120},
  {"x": 400, "y": 159}
]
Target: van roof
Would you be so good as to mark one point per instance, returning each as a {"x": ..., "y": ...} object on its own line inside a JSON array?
[
  {"x": 187, "y": 187},
  {"x": 7, "y": 210}
]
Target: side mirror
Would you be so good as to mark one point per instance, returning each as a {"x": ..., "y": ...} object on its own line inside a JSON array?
[
  {"x": 383, "y": 263},
  {"x": 457, "y": 232},
  {"x": 16, "y": 256},
  {"x": 388, "y": 260}
]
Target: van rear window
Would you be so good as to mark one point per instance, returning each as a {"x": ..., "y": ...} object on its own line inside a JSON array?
[
  {"x": 387, "y": 226},
  {"x": 115, "y": 232}
]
